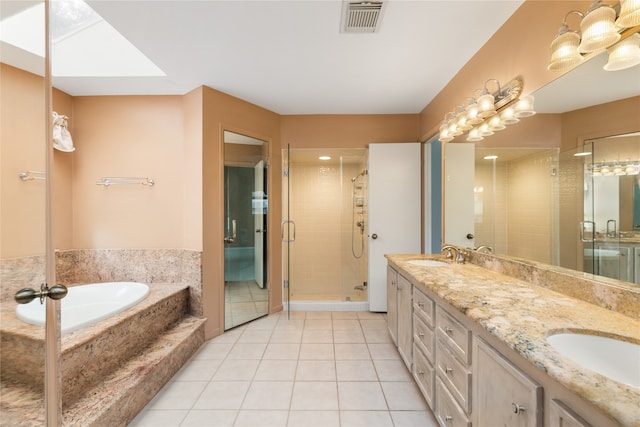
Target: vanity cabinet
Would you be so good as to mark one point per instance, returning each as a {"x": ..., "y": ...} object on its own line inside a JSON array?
[
  {"x": 399, "y": 314},
  {"x": 392, "y": 304},
  {"x": 562, "y": 416},
  {"x": 467, "y": 376},
  {"x": 424, "y": 345},
  {"x": 405, "y": 323},
  {"x": 503, "y": 394}
]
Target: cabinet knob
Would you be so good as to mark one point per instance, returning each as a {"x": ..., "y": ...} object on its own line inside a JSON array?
[
  {"x": 448, "y": 418},
  {"x": 420, "y": 372},
  {"x": 449, "y": 370},
  {"x": 421, "y": 334},
  {"x": 421, "y": 304},
  {"x": 448, "y": 330},
  {"x": 517, "y": 409}
]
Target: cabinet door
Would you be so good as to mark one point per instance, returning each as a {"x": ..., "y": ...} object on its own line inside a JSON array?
[
  {"x": 392, "y": 307},
  {"x": 503, "y": 395},
  {"x": 561, "y": 416},
  {"x": 636, "y": 265},
  {"x": 405, "y": 320}
]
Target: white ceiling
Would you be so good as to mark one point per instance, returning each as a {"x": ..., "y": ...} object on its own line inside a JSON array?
[{"x": 290, "y": 56}]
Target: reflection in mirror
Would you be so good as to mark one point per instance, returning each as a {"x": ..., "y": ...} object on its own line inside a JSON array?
[
  {"x": 23, "y": 116},
  {"x": 541, "y": 214},
  {"x": 609, "y": 233},
  {"x": 245, "y": 227}
]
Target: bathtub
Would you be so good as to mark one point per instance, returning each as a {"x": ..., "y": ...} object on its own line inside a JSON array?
[{"x": 85, "y": 305}]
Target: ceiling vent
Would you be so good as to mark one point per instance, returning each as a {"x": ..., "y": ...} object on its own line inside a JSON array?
[{"x": 361, "y": 17}]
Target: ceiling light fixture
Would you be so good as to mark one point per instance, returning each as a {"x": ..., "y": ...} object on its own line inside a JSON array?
[
  {"x": 490, "y": 112},
  {"x": 599, "y": 30},
  {"x": 324, "y": 158}
]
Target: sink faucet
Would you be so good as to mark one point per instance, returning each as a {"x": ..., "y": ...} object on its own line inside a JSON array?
[
  {"x": 484, "y": 248},
  {"x": 611, "y": 233},
  {"x": 454, "y": 253}
]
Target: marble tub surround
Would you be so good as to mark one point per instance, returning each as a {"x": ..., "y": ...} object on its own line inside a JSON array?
[
  {"x": 111, "y": 369},
  {"x": 19, "y": 273},
  {"x": 612, "y": 294},
  {"x": 522, "y": 314},
  {"x": 150, "y": 266}
]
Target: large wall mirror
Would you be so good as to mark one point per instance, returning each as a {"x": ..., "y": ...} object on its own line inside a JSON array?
[
  {"x": 246, "y": 294},
  {"x": 561, "y": 187}
]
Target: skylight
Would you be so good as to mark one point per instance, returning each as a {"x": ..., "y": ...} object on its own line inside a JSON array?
[{"x": 82, "y": 43}]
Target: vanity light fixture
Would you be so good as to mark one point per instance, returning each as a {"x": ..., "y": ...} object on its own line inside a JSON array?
[
  {"x": 629, "y": 14},
  {"x": 597, "y": 26},
  {"x": 324, "y": 158},
  {"x": 599, "y": 29},
  {"x": 491, "y": 157},
  {"x": 625, "y": 54},
  {"x": 614, "y": 168},
  {"x": 488, "y": 113},
  {"x": 564, "y": 47}
]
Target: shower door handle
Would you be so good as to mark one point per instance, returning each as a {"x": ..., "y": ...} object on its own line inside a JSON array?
[
  {"x": 26, "y": 295},
  {"x": 290, "y": 237}
]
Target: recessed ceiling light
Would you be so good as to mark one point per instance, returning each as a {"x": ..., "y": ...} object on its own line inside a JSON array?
[
  {"x": 324, "y": 158},
  {"x": 490, "y": 157}
]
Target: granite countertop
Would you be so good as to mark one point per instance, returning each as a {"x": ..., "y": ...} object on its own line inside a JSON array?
[{"x": 522, "y": 315}]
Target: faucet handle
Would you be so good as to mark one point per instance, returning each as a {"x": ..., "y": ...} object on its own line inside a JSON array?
[{"x": 462, "y": 254}]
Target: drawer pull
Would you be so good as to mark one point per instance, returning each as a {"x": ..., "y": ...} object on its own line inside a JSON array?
[
  {"x": 420, "y": 372},
  {"x": 421, "y": 304},
  {"x": 517, "y": 409},
  {"x": 421, "y": 334},
  {"x": 448, "y": 330},
  {"x": 448, "y": 418},
  {"x": 449, "y": 370}
]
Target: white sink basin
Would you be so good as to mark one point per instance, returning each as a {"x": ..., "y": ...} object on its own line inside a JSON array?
[
  {"x": 427, "y": 262},
  {"x": 616, "y": 359}
]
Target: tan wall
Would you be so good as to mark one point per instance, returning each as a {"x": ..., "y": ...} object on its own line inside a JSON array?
[
  {"x": 519, "y": 48},
  {"x": 23, "y": 139},
  {"x": 347, "y": 131},
  {"x": 128, "y": 136},
  {"x": 224, "y": 112},
  {"x": 62, "y": 193}
]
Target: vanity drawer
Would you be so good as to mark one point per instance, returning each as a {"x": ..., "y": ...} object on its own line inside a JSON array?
[
  {"x": 448, "y": 413},
  {"x": 424, "y": 338},
  {"x": 424, "y": 375},
  {"x": 454, "y": 334},
  {"x": 455, "y": 375},
  {"x": 423, "y": 306}
]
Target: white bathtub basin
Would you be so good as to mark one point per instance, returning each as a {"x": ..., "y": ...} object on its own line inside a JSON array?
[
  {"x": 428, "y": 262},
  {"x": 616, "y": 359},
  {"x": 87, "y": 304}
]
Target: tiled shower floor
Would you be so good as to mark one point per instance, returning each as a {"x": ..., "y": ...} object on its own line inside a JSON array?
[{"x": 316, "y": 369}]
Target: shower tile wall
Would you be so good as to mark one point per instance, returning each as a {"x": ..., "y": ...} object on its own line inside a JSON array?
[
  {"x": 316, "y": 254},
  {"x": 322, "y": 265},
  {"x": 530, "y": 193},
  {"x": 508, "y": 217}
]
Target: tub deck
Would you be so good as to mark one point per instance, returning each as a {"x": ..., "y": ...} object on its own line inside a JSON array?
[{"x": 106, "y": 367}]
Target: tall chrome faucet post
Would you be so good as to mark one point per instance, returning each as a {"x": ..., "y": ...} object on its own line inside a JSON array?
[{"x": 484, "y": 248}]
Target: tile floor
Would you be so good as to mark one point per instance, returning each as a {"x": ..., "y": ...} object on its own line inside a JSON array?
[
  {"x": 243, "y": 302},
  {"x": 316, "y": 369}
]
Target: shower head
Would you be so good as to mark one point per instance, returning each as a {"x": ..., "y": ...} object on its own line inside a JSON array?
[{"x": 362, "y": 173}]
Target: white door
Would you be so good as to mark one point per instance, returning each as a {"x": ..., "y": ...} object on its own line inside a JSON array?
[
  {"x": 394, "y": 211},
  {"x": 258, "y": 218},
  {"x": 459, "y": 170}
]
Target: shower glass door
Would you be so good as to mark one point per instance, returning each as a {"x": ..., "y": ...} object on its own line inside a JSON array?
[
  {"x": 30, "y": 354},
  {"x": 245, "y": 228},
  {"x": 287, "y": 229}
]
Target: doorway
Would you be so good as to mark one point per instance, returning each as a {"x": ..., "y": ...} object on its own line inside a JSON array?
[{"x": 245, "y": 229}]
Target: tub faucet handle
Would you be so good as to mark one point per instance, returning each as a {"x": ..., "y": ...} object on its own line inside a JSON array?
[{"x": 26, "y": 295}]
